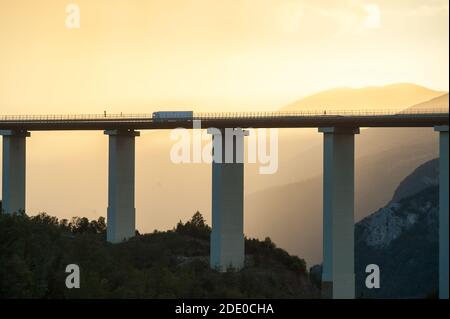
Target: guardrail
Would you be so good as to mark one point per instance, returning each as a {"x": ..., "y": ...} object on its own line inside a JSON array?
[
  {"x": 221, "y": 115},
  {"x": 72, "y": 117},
  {"x": 377, "y": 112}
]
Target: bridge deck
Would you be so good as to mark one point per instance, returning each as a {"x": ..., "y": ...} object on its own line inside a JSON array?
[{"x": 244, "y": 120}]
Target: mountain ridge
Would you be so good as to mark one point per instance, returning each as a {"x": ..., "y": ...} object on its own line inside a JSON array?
[
  {"x": 402, "y": 239},
  {"x": 439, "y": 103},
  {"x": 395, "y": 95}
]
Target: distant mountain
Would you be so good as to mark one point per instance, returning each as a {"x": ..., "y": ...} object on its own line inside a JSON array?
[
  {"x": 402, "y": 239},
  {"x": 439, "y": 103},
  {"x": 292, "y": 213},
  {"x": 399, "y": 95},
  {"x": 289, "y": 206},
  {"x": 424, "y": 176}
]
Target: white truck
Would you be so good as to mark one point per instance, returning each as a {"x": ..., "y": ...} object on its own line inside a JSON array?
[{"x": 172, "y": 115}]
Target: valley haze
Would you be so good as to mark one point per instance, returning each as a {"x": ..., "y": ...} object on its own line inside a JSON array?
[
  {"x": 222, "y": 56},
  {"x": 287, "y": 206}
]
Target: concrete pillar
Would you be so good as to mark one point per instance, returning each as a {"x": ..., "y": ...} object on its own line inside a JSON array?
[
  {"x": 14, "y": 168},
  {"x": 338, "y": 275},
  {"x": 443, "y": 211},
  {"x": 121, "y": 211},
  {"x": 227, "y": 236}
]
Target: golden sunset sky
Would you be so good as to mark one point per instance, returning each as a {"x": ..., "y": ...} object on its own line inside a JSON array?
[{"x": 140, "y": 56}]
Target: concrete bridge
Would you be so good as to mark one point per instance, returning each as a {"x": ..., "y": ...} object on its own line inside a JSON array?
[{"x": 227, "y": 238}]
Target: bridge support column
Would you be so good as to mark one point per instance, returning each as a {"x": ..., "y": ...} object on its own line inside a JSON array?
[
  {"x": 227, "y": 236},
  {"x": 14, "y": 171},
  {"x": 121, "y": 211},
  {"x": 338, "y": 275},
  {"x": 443, "y": 211}
]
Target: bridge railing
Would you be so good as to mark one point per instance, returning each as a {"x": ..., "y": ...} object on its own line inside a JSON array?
[
  {"x": 74, "y": 117},
  {"x": 225, "y": 115},
  {"x": 322, "y": 112}
]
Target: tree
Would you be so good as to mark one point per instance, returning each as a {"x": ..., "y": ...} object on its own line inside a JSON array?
[
  {"x": 197, "y": 220},
  {"x": 46, "y": 219},
  {"x": 98, "y": 226},
  {"x": 195, "y": 227}
]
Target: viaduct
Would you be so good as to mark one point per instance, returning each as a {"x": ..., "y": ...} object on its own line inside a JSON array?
[{"x": 227, "y": 238}]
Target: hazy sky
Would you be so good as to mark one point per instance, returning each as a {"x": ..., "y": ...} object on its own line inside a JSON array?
[
  {"x": 141, "y": 56},
  {"x": 138, "y": 56}
]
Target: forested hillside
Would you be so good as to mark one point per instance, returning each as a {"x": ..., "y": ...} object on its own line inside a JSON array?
[{"x": 34, "y": 252}]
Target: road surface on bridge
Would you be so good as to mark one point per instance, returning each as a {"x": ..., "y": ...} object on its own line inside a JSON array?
[{"x": 243, "y": 120}]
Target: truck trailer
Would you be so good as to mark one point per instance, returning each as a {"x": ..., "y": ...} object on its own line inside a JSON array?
[{"x": 172, "y": 115}]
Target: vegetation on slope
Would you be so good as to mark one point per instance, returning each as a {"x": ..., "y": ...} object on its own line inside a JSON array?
[{"x": 34, "y": 252}]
